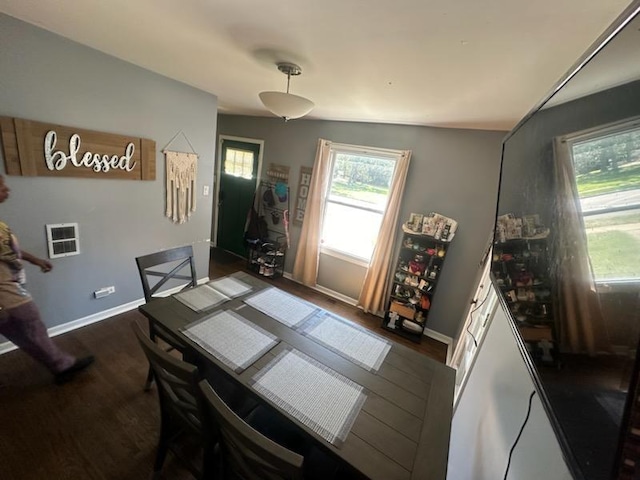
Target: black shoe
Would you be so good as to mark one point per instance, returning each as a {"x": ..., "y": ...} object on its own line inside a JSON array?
[{"x": 68, "y": 374}]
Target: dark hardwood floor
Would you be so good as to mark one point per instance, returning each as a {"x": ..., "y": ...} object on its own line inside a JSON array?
[{"x": 103, "y": 425}]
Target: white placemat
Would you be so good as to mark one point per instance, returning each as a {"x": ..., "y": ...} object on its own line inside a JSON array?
[
  {"x": 347, "y": 339},
  {"x": 229, "y": 286},
  {"x": 320, "y": 398},
  {"x": 201, "y": 298},
  {"x": 281, "y": 306},
  {"x": 232, "y": 339}
]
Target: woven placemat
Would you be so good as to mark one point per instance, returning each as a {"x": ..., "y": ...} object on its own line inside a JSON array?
[
  {"x": 351, "y": 341},
  {"x": 229, "y": 286},
  {"x": 282, "y": 306},
  {"x": 201, "y": 298},
  {"x": 319, "y": 397},
  {"x": 231, "y": 338}
]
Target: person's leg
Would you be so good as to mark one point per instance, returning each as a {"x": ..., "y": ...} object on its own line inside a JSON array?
[{"x": 23, "y": 326}]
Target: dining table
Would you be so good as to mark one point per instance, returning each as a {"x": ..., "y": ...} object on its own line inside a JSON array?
[{"x": 380, "y": 407}]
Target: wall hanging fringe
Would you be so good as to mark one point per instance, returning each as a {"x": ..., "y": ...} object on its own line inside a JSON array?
[{"x": 182, "y": 171}]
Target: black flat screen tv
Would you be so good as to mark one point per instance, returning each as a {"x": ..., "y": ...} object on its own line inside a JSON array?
[{"x": 566, "y": 252}]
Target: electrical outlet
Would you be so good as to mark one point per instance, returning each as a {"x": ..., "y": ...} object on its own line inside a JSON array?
[
  {"x": 205, "y": 190},
  {"x": 104, "y": 292}
]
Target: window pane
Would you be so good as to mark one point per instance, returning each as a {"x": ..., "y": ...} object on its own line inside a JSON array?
[
  {"x": 614, "y": 244},
  {"x": 351, "y": 230},
  {"x": 361, "y": 180},
  {"x": 357, "y": 198},
  {"x": 238, "y": 163},
  {"x": 608, "y": 178}
]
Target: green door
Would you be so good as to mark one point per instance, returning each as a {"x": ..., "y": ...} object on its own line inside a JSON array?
[{"x": 238, "y": 178}]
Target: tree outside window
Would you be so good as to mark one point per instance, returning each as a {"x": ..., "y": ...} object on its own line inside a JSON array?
[
  {"x": 607, "y": 169},
  {"x": 357, "y": 197}
]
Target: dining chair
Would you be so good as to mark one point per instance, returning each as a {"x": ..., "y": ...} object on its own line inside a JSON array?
[
  {"x": 181, "y": 410},
  {"x": 156, "y": 270},
  {"x": 246, "y": 453}
]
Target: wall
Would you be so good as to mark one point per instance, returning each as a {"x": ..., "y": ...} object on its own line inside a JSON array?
[
  {"x": 452, "y": 172},
  {"x": 490, "y": 412},
  {"x": 51, "y": 79},
  {"x": 530, "y": 185},
  {"x": 529, "y": 172}
]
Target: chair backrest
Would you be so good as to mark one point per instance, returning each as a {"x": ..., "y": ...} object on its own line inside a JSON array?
[
  {"x": 177, "y": 384},
  {"x": 246, "y": 452},
  {"x": 177, "y": 260}
]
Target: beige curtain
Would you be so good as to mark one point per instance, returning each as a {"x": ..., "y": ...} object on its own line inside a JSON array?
[
  {"x": 582, "y": 325},
  {"x": 377, "y": 279},
  {"x": 305, "y": 268}
]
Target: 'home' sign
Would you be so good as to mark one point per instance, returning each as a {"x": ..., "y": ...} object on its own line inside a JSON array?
[{"x": 42, "y": 149}]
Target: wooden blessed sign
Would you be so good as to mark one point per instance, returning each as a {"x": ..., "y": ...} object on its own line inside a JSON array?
[{"x": 43, "y": 149}]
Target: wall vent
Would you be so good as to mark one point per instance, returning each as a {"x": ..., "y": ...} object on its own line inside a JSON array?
[{"x": 63, "y": 240}]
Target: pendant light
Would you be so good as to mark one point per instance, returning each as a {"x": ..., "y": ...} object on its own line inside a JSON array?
[{"x": 286, "y": 105}]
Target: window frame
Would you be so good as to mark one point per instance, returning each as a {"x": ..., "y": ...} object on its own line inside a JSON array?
[
  {"x": 340, "y": 148},
  {"x": 603, "y": 131}
]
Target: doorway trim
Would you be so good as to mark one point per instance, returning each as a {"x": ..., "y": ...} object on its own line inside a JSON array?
[{"x": 221, "y": 139}]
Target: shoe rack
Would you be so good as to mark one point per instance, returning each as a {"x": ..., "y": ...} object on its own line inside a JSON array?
[{"x": 415, "y": 281}]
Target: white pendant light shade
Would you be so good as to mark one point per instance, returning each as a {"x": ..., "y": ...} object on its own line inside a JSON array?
[{"x": 286, "y": 105}]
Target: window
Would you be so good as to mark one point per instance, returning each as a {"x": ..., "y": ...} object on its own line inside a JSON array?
[
  {"x": 607, "y": 169},
  {"x": 357, "y": 197},
  {"x": 62, "y": 240},
  {"x": 238, "y": 163}
]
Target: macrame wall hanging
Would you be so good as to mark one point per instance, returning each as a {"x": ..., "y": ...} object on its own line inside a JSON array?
[{"x": 181, "y": 174}]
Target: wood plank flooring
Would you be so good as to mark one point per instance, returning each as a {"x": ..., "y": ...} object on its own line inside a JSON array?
[{"x": 102, "y": 425}]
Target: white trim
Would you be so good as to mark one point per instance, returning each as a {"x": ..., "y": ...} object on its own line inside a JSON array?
[
  {"x": 442, "y": 338},
  {"x": 81, "y": 322},
  {"x": 331, "y": 252},
  {"x": 6, "y": 347},
  {"x": 373, "y": 151},
  {"x": 608, "y": 129},
  {"x": 327, "y": 291},
  {"x": 218, "y": 169},
  {"x": 51, "y": 242}
]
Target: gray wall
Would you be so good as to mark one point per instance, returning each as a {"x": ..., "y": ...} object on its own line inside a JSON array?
[
  {"x": 51, "y": 79},
  {"x": 490, "y": 412},
  {"x": 453, "y": 172},
  {"x": 528, "y": 172}
]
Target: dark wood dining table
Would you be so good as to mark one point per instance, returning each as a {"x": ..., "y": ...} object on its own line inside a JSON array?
[{"x": 402, "y": 430}]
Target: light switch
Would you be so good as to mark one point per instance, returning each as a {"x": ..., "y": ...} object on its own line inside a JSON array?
[{"x": 205, "y": 190}]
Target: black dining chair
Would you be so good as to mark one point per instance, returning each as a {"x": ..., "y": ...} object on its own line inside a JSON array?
[
  {"x": 246, "y": 453},
  {"x": 182, "y": 411},
  {"x": 160, "y": 269}
]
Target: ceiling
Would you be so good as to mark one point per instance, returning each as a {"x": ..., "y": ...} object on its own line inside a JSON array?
[{"x": 450, "y": 63}]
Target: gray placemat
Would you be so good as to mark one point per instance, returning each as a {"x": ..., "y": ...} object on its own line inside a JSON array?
[
  {"x": 231, "y": 338},
  {"x": 282, "y": 306},
  {"x": 319, "y": 397},
  {"x": 351, "y": 341},
  {"x": 229, "y": 286},
  {"x": 201, "y": 298}
]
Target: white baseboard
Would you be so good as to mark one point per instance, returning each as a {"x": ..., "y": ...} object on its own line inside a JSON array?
[
  {"x": 81, "y": 322},
  {"x": 6, "y": 347},
  {"x": 448, "y": 341}
]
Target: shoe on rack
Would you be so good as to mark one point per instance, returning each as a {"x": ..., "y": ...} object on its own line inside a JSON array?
[{"x": 68, "y": 374}]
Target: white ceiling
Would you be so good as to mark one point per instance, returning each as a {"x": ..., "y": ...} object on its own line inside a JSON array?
[{"x": 454, "y": 63}]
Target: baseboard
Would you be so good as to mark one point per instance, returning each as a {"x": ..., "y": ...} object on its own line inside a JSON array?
[
  {"x": 6, "y": 347},
  {"x": 448, "y": 341},
  {"x": 81, "y": 322}
]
